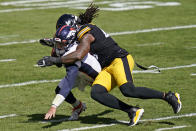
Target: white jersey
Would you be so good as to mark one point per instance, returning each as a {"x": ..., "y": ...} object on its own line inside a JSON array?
[
  {"x": 88, "y": 59},
  {"x": 89, "y": 68}
]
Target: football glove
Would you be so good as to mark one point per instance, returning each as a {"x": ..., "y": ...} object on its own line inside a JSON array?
[
  {"x": 49, "y": 61},
  {"x": 47, "y": 42},
  {"x": 59, "y": 65}
]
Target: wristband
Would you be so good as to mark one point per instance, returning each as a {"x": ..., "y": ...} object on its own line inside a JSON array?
[
  {"x": 58, "y": 100},
  {"x": 56, "y": 60}
]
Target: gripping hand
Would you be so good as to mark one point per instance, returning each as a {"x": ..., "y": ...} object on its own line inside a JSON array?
[{"x": 48, "y": 61}]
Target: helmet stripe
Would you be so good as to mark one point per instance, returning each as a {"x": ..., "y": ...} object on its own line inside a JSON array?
[{"x": 61, "y": 29}]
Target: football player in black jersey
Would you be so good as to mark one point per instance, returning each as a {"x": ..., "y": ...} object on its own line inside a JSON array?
[
  {"x": 90, "y": 65},
  {"x": 117, "y": 66}
]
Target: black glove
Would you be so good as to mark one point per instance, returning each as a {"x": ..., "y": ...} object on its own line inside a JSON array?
[
  {"x": 59, "y": 65},
  {"x": 47, "y": 42},
  {"x": 49, "y": 61}
]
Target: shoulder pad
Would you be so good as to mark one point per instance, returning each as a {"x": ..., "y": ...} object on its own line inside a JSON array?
[{"x": 83, "y": 30}]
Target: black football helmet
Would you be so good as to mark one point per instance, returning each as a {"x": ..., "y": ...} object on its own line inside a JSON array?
[
  {"x": 64, "y": 37},
  {"x": 67, "y": 19}
]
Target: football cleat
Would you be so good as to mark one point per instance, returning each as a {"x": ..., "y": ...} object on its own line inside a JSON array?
[
  {"x": 77, "y": 111},
  {"x": 134, "y": 115},
  {"x": 174, "y": 100}
]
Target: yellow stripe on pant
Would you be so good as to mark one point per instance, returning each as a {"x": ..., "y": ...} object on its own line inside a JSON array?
[{"x": 116, "y": 73}]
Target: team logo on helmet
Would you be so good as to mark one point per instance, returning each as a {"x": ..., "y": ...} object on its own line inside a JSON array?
[{"x": 65, "y": 33}]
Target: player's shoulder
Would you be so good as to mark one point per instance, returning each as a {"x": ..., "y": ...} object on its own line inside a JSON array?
[{"x": 83, "y": 30}]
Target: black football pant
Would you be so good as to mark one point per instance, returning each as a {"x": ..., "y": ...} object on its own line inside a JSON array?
[{"x": 100, "y": 94}]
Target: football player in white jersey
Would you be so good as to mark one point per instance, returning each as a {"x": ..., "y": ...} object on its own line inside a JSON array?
[{"x": 88, "y": 69}]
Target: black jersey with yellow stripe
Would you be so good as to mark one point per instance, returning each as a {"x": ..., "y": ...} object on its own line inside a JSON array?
[{"x": 104, "y": 46}]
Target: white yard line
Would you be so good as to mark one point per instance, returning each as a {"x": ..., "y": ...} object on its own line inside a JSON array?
[
  {"x": 193, "y": 74},
  {"x": 178, "y": 67},
  {"x": 168, "y": 68},
  {"x": 23, "y": 2},
  {"x": 171, "y": 128},
  {"x": 135, "y": 72},
  {"x": 163, "y": 118},
  {"x": 5, "y": 116},
  {"x": 88, "y": 127},
  {"x": 7, "y": 60},
  {"x": 170, "y": 117},
  {"x": 17, "y": 9},
  {"x": 37, "y": 5},
  {"x": 150, "y": 44},
  {"x": 113, "y": 5},
  {"x": 8, "y": 36},
  {"x": 153, "y": 30},
  {"x": 126, "y": 122},
  {"x": 146, "y": 71},
  {"x": 20, "y": 42},
  {"x": 28, "y": 83},
  {"x": 118, "y": 33}
]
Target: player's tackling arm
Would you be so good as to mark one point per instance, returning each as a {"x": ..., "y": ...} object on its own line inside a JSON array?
[{"x": 81, "y": 51}]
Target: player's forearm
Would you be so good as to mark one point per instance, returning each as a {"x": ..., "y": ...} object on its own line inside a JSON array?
[{"x": 71, "y": 58}]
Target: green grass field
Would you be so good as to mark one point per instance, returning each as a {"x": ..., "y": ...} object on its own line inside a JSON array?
[{"x": 173, "y": 44}]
